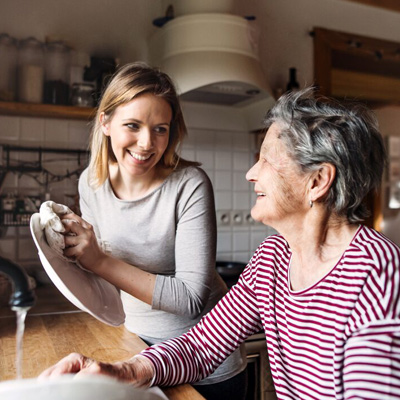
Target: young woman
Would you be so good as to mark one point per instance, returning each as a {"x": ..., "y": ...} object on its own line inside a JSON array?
[{"x": 154, "y": 215}]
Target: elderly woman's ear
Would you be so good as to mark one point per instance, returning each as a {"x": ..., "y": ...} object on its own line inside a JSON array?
[{"x": 321, "y": 181}]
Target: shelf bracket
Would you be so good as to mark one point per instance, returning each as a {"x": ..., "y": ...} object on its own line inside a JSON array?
[{"x": 38, "y": 167}]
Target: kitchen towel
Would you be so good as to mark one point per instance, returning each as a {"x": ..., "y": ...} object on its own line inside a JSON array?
[
  {"x": 54, "y": 229},
  {"x": 50, "y": 222}
]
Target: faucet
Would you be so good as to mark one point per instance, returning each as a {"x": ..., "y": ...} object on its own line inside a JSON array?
[{"x": 23, "y": 296}]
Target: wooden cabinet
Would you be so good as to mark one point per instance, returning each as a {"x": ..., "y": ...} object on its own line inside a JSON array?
[
  {"x": 358, "y": 67},
  {"x": 353, "y": 66}
]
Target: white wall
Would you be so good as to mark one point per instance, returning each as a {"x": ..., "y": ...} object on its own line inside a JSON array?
[
  {"x": 117, "y": 28},
  {"x": 121, "y": 28},
  {"x": 219, "y": 139},
  {"x": 285, "y": 26},
  {"x": 16, "y": 242}
]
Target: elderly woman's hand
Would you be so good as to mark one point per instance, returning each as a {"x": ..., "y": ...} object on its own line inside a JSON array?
[{"x": 138, "y": 370}]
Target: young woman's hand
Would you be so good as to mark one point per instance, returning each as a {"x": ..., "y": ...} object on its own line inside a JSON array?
[
  {"x": 138, "y": 370},
  {"x": 81, "y": 242}
]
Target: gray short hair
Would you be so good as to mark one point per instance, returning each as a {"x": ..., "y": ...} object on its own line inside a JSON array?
[{"x": 321, "y": 130}]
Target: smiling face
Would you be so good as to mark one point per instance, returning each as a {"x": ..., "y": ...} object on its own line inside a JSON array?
[
  {"x": 139, "y": 133},
  {"x": 279, "y": 185}
]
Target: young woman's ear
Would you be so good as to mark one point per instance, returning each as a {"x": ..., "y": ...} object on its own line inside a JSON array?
[
  {"x": 105, "y": 126},
  {"x": 321, "y": 181}
]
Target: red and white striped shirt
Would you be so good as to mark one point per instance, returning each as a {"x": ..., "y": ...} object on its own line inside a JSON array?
[{"x": 339, "y": 339}]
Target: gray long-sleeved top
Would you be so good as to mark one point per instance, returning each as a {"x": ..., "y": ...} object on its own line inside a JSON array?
[{"x": 170, "y": 232}]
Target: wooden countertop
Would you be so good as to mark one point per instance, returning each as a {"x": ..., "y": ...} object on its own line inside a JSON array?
[{"x": 50, "y": 337}]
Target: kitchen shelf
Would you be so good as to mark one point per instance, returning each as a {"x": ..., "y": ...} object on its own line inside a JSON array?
[
  {"x": 13, "y": 218},
  {"x": 46, "y": 110}
]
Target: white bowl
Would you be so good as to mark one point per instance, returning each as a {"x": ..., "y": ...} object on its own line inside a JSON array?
[{"x": 68, "y": 387}]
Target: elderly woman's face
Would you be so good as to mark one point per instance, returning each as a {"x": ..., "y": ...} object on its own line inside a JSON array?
[{"x": 278, "y": 183}]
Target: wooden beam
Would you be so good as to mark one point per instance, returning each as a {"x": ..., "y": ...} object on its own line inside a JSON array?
[
  {"x": 393, "y": 5},
  {"x": 322, "y": 60}
]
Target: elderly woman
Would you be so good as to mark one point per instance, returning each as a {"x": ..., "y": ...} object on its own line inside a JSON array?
[{"x": 325, "y": 289}]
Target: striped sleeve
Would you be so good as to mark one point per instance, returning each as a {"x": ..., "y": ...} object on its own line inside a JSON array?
[
  {"x": 372, "y": 362},
  {"x": 372, "y": 353},
  {"x": 197, "y": 354}
]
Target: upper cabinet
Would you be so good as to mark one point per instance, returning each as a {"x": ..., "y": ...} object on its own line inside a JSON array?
[
  {"x": 353, "y": 66},
  {"x": 358, "y": 67}
]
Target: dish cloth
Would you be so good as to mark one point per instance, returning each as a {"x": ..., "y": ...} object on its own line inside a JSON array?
[{"x": 50, "y": 222}]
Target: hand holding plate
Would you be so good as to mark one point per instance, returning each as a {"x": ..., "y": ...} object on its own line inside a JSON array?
[{"x": 81, "y": 242}]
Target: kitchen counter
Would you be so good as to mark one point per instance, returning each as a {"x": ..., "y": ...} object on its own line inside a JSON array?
[{"x": 50, "y": 337}]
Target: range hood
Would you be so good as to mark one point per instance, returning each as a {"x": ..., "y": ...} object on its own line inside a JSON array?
[{"x": 212, "y": 58}]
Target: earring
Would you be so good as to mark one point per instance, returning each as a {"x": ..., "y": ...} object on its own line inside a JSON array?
[{"x": 311, "y": 203}]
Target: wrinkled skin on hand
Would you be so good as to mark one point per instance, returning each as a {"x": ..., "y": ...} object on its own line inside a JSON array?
[{"x": 137, "y": 371}]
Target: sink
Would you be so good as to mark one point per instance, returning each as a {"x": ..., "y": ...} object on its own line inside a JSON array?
[
  {"x": 71, "y": 387},
  {"x": 230, "y": 269}
]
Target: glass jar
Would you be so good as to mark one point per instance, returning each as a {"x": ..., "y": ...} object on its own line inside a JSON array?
[
  {"x": 57, "y": 69},
  {"x": 79, "y": 62},
  {"x": 8, "y": 67},
  {"x": 30, "y": 70},
  {"x": 82, "y": 95}
]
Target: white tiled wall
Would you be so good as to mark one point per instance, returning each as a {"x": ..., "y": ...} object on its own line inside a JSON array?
[
  {"x": 226, "y": 157},
  {"x": 16, "y": 242},
  {"x": 217, "y": 138}
]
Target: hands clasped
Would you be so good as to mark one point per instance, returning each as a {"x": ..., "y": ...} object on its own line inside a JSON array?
[{"x": 138, "y": 370}]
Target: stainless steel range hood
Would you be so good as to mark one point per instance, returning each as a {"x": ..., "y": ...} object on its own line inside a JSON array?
[{"x": 212, "y": 57}]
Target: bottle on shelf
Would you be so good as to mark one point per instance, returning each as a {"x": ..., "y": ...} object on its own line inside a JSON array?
[{"x": 292, "y": 84}]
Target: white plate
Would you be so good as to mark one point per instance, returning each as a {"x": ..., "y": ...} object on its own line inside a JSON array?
[
  {"x": 85, "y": 290},
  {"x": 68, "y": 387}
]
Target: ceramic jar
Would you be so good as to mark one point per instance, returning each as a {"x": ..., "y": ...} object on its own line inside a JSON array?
[
  {"x": 57, "y": 71},
  {"x": 30, "y": 70}
]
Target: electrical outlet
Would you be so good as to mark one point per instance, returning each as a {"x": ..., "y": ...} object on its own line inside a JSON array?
[
  {"x": 248, "y": 219},
  {"x": 237, "y": 217},
  {"x": 223, "y": 217}
]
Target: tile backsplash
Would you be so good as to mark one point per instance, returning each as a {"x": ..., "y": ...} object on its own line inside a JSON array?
[
  {"x": 59, "y": 182},
  {"x": 226, "y": 155}
]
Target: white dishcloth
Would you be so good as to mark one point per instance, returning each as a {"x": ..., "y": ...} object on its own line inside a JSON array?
[{"x": 50, "y": 222}]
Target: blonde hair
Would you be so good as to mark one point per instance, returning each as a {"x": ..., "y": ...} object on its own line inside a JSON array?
[{"x": 129, "y": 82}]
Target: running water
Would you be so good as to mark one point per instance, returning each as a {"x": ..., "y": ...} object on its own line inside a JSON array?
[{"x": 21, "y": 315}]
